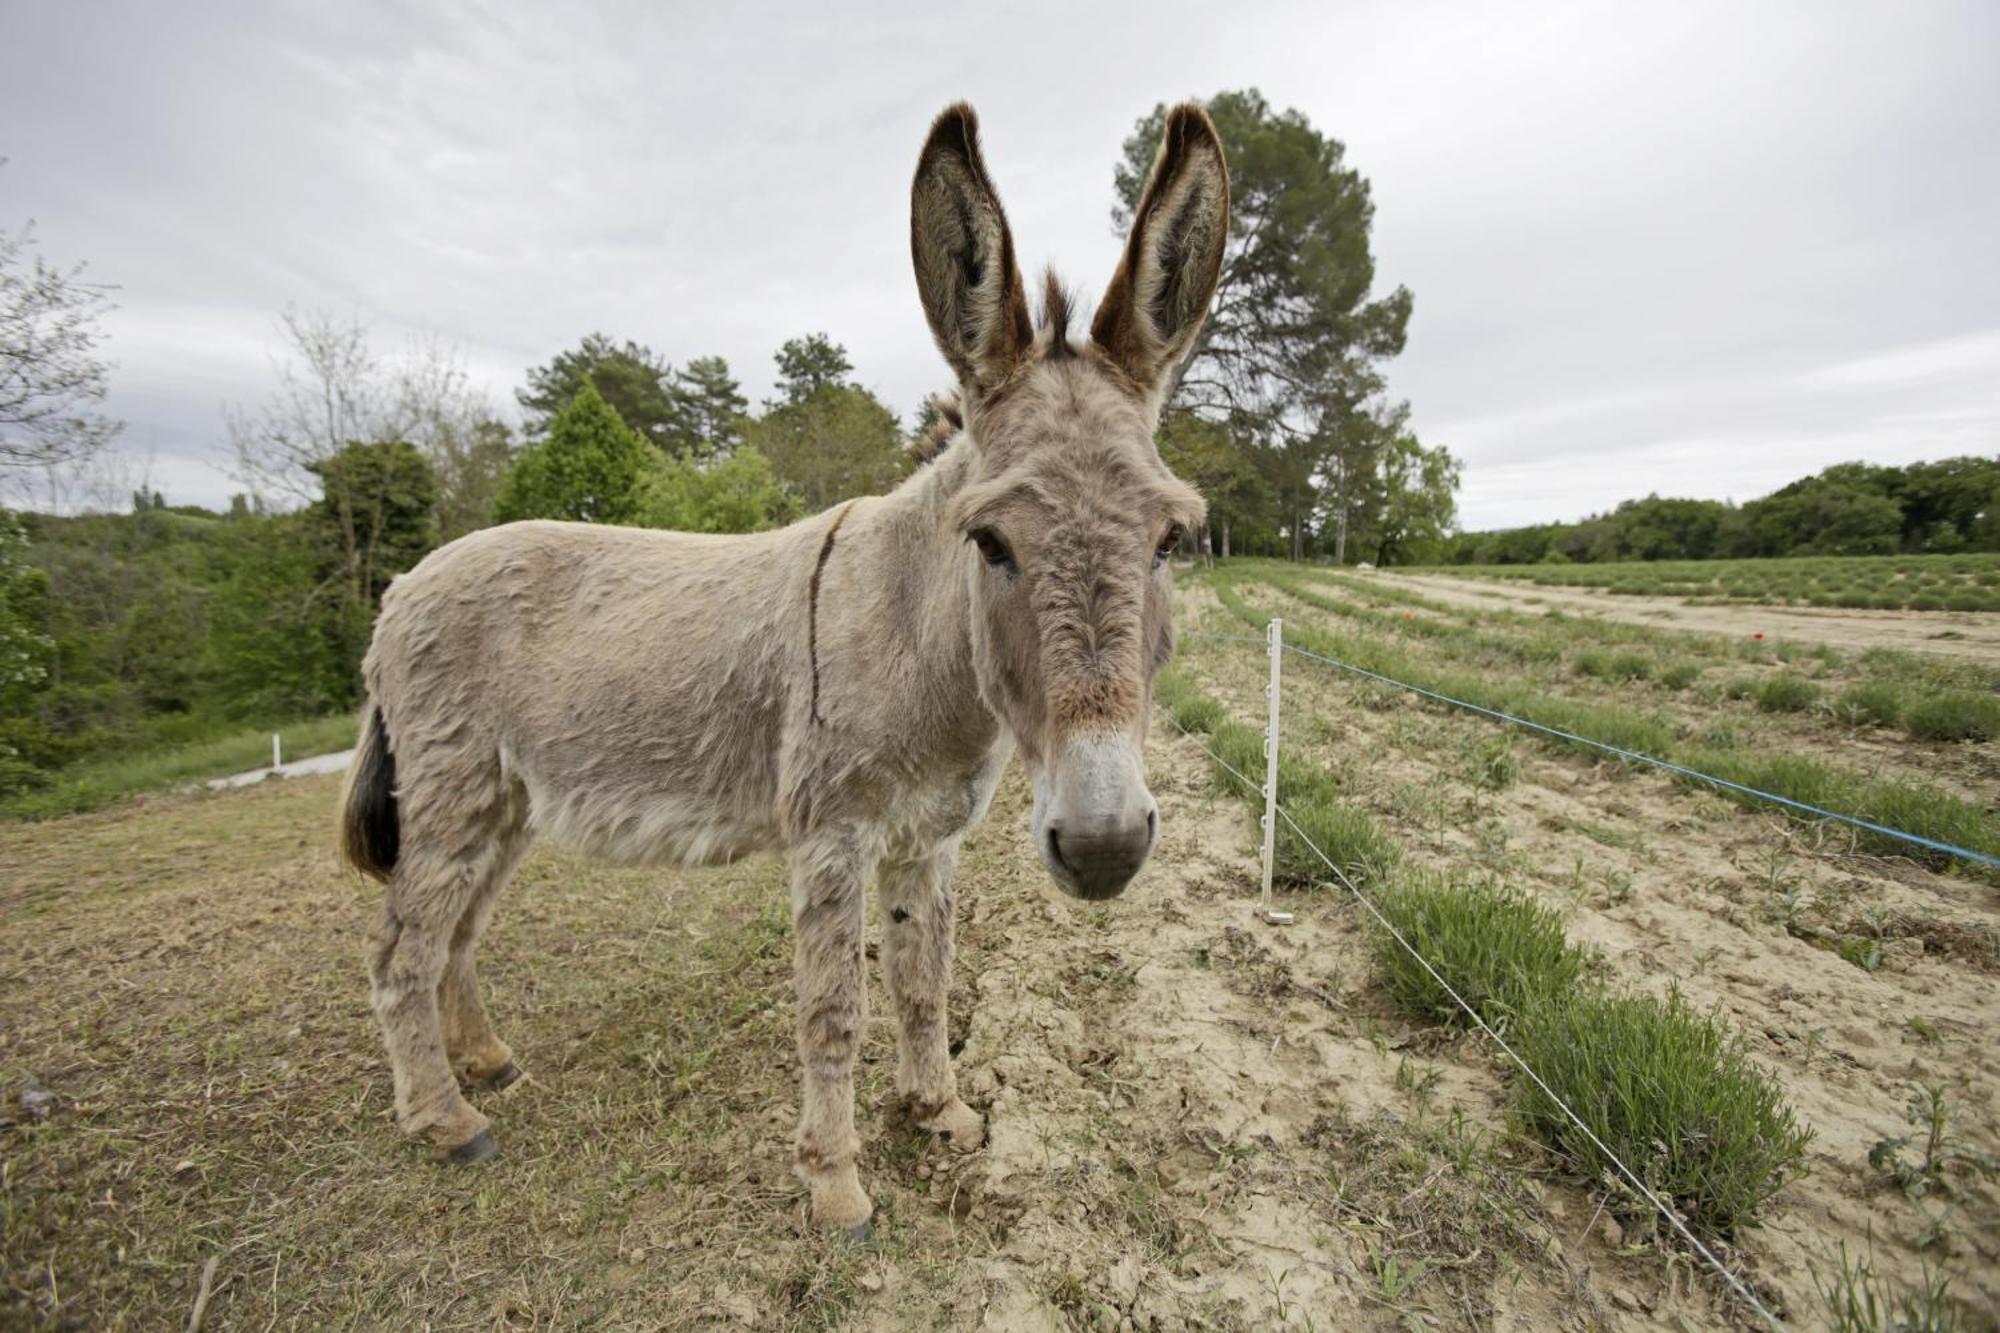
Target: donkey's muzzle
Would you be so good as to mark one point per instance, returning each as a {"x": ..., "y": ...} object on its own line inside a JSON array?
[{"x": 1098, "y": 861}]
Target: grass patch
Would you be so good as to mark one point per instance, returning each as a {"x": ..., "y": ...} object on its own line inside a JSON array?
[
  {"x": 1500, "y": 950},
  {"x": 1669, "y": 1091},
  {"x": 1871, "y": 703},
  {"x": 97, "y": 783},
  {"x": 1308, "y": 794},
  {"x": 1614, "y": 666},
  {"x": 1954, "y": 715},
  {"x": 1787, "y": 693}
]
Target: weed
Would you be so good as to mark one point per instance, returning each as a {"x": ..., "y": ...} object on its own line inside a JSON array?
[
  {"x": 1493, "y": 764},
  {"x": 1857, "y": 1301},
  {"x": 1874, "y": 703},
  {"x": 1944, "y": 1161}
]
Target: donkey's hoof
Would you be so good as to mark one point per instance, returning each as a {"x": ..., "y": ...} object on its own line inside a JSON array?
[
  {"x": 961, "y": 1127},
  {"x": 858, "y": 1235},
  {"x": 478, "y": 1148},
  {"x": 503, "y": 1078}
]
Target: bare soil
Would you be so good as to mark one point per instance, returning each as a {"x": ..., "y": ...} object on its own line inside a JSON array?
[{"x": 1974, "y": 634}]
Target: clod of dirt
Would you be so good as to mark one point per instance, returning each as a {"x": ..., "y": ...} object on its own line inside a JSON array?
[{"x": 37, "y": 1103}]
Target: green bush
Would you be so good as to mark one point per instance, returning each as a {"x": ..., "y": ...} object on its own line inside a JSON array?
[
  {"x": 1870, "y": 703},
  {"x": 1954, "y": 715},
  {"x": 1670, "y": 1093},
  {"x": 1500, "y": 950},
  {"x": 1613, "y": 666},
  {"x": 1786, "y": 693},
  {"x": 1679, "y": 675}
]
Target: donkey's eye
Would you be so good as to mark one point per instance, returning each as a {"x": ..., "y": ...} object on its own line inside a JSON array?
[
  {"x": 1168, "y": 545},
  {"x": 991, "y": 549}
]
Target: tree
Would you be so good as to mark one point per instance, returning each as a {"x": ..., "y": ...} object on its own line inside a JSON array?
[
  {"x": 470, "y": 460},
  {"x": 809, "y": 364},
  {"x": 1290, "y": 357},
  {"x": 1416, "y": 505},
  {"x": 833, "y": 442},
  {"x": 375, "y": 518},
  {"x": 635, "y": 380},
  {"x": 709, "y": 406},
  {"x": 739, "y": 493},
  {"x": 591, "y": 468},
  {"x": 1293, "y": 333},
  {"x": 51, "y": 376},
  {"x": 1206, "y": 456},
  {"x": 330, "y": 392}
]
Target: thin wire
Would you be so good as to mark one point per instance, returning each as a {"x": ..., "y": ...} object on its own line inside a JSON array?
[
  {"x": 1635, "y": 756},
  {"x": 1673, "y": 1218}
]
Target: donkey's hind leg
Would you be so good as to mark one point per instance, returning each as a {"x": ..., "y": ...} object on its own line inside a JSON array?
[
  {"x": 430, "y": 892},
  {"x": 476, "y": 1054},
  {"x": 916, "y": 904}
]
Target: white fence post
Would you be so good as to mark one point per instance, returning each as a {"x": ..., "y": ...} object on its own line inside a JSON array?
[
  {"x": 1275, "y": 638},
  {"x": 277, "y": 759}
]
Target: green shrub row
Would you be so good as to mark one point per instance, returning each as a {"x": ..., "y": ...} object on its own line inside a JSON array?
[
  {"x": 1662, "y": 1087},
  {"x": 1925, "y": 811}
]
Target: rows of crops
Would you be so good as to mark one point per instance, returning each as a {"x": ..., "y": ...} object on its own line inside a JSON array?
[{"x": 1881, "y": 583}]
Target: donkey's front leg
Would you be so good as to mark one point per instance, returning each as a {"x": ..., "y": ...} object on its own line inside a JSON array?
[
  {"x": 828, "y": 872},
  {"x": 916, "y": 904}
]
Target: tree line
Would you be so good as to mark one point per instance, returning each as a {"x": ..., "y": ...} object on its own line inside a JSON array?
[
  {"x": 1939, "y": 508},
  {"x": 164, "y": 623}
]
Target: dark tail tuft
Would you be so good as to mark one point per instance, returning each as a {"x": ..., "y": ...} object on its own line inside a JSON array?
[{"x": 371, "y": 832}]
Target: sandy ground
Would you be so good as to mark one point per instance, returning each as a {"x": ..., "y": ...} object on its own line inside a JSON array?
[{"x": 1950, "y": 633}]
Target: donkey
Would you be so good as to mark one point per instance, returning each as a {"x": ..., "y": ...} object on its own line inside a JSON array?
[{"x": 847, "y": 689}]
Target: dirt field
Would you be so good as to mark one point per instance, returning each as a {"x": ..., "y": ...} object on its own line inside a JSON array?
[
  {"x": 1195, "y": 1120},
  {"x": 1974, "y": 634}
]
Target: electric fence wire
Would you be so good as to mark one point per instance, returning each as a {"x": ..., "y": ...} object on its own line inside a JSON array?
[
  {"x": 1634, "y": 756},
  {"x": 1735, "y": 1283}
]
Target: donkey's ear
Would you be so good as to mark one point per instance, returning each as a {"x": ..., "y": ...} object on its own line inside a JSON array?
[
  {"x": 966, "y": 274},
  {"x": 1159, "y": 297}
]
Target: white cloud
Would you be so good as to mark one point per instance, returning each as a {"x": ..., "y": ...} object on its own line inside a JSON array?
[{"x": 1685, "y": 248}]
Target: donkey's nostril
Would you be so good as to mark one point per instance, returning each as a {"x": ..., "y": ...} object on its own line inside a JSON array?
[
  {"x": 1055, "y": 848},
  {"x": 1152, "y": 826}
]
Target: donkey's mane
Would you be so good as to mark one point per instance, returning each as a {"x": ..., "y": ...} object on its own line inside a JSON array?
[
  {"x": 944, "y": 428},
  {"x": 1051, "y": 344}
]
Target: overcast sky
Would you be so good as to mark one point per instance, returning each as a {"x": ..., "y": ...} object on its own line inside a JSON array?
[{"x": 1698, "y": 249}]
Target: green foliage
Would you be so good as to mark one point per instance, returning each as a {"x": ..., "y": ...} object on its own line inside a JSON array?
[
  {"x": 99, "y": 782},
  {"x": 1288, "y": 374},
  {"x": 740, "y": 493},
  {"x": 590, "y": 469},
  {"x": 1859, "y": 1301},
  {"x": 1786, "y": 692},
  {"x": 1501, "y": 951},
  {"x": 1852, "y": 509},
  {"x": 1607, "y": 665},
  {"x": 1954, "y": 715},
  {"x": 710, "y": 407},
  {"x": 1876, "y": 703},
  {"x": 1670, "y": 1093},
  {"x": 1319, "y": 816},
  {"x": 634, "y": 380},
  {"x": 808, "y": 364},
  {"x": 831, "y": 443}
]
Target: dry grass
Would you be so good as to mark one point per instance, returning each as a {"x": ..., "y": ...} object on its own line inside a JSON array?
[{"x": 186, "y": 976}]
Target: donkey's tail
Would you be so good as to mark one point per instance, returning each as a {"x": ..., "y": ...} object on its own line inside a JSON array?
[{"x": 371, "y": 831}]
